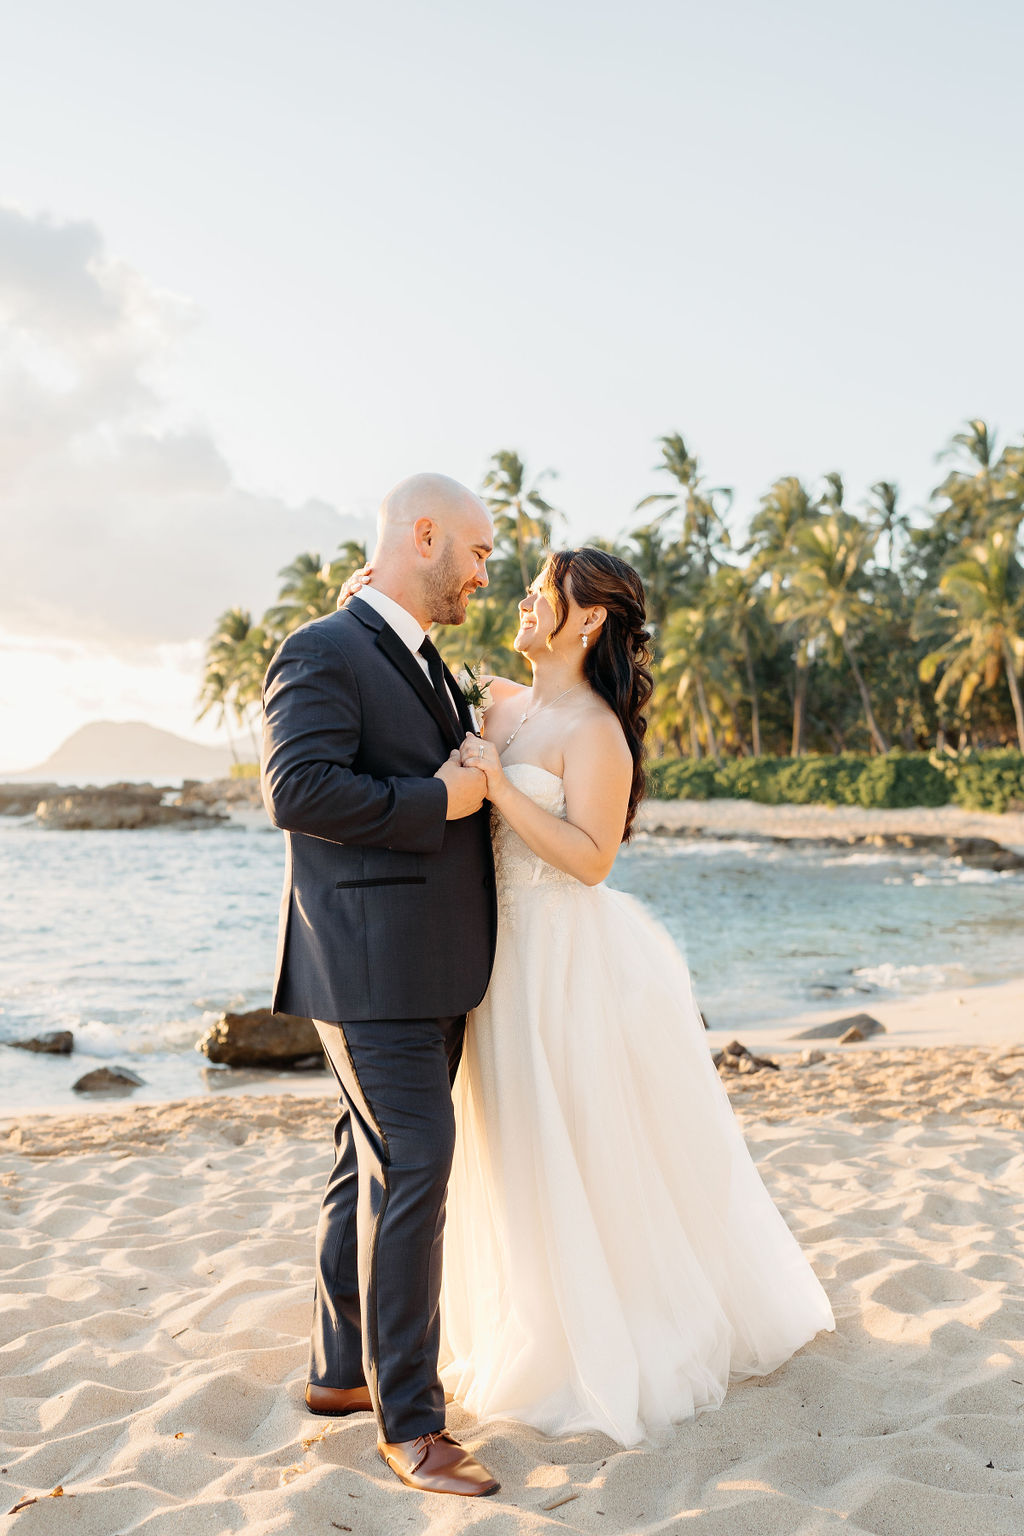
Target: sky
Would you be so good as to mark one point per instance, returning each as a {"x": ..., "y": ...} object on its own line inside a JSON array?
[{"x": 260, "y": 261}]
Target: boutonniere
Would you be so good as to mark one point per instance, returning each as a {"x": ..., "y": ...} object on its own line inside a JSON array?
[{"x": 476, "y": 694}]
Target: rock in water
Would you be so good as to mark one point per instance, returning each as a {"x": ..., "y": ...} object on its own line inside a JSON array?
[
  {"x": 107, "y": 1079},
  {"x": 836, "y": 1028},
  {"x": 56, "y": 1042},
  {"x": 120, "y": 807},
  {"x": 260, "y": 1039}
]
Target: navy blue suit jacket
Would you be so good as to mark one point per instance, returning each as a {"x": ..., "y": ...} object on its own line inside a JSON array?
[{"x": 388, "y": 909}]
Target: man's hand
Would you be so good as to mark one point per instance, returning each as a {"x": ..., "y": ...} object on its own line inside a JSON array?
[{"x": 466, "y": 788}]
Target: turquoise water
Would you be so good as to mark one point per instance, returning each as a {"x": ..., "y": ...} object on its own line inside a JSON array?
[{"x": 136, "y": 941}]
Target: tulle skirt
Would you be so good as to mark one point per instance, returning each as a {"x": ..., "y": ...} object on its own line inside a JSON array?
[{"x": 612, "y": 1258}]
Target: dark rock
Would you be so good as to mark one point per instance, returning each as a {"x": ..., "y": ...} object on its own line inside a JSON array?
[
  {"x": 56, "y": 1042},
  {"x": 260, "y": 1039},
  {"x": 316, "y": 1063},
  {"x": 736, "y": 1058},
  {"x": 108, "y": 1080},
  {"x": 837, "y": 1027},
  {"x": 218, "y": 793},
  {"x": 22, "y": 799},
  {"x": 120, "y": 807}
]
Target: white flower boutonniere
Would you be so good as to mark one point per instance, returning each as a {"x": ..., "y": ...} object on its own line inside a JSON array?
[{"x": 476, "y": 694}]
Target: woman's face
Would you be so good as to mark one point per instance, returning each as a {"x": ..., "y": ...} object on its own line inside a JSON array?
[{"x": 538, "y": 617}]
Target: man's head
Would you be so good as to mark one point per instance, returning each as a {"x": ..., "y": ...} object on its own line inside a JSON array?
[{"x": 433, "y": 541}]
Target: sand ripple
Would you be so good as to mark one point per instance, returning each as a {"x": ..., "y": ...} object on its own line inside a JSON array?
[{"x": 157, "y": 1270}]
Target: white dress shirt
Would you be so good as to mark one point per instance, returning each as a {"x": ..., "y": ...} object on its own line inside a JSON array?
[{"x": 409, "y": 630}]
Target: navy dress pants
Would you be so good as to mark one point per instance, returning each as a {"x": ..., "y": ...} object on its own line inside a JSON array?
[{"x": 376, "y": 1306}]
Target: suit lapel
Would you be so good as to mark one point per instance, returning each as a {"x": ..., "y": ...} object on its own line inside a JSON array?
[
  {"x": 399, "y": 653},
  {"x": 465, "y": 714}
]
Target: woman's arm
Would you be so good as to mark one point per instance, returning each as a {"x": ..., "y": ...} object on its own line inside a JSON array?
[{"x": 597, "y": 774}]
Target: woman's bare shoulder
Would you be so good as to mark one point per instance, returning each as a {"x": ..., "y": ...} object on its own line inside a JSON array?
[{"x": 597, "y": 735}]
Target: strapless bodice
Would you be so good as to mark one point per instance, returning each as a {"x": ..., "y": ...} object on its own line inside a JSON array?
[{"x": 516, "y": 866}]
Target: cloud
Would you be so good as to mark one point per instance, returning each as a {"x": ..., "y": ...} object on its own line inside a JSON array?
[{"x": 121, "y": 527}]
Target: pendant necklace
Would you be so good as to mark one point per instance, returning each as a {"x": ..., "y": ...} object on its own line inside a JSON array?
[{"x": 526, "y": 715}]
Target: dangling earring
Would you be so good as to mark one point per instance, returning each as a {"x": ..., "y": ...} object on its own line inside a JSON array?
[{"x": 584, "y": 638}]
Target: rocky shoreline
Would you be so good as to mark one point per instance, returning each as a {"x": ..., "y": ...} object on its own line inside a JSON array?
[
  {"x": 200, "y": 804},
  {"x": 128, "y": 806},
  {"x": 977, "y": 852}
]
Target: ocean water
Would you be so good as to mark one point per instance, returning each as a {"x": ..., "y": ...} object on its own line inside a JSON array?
[{"x": 138, "y": 940}]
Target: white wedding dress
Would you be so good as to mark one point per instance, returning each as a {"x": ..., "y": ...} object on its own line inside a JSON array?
[{"x": 612, "y": 1257}]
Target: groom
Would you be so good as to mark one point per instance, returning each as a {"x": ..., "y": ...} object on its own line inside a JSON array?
[{"x": 386, "y": 940}]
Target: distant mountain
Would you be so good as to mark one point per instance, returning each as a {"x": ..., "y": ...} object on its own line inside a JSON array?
[{"x": 108, "y": 750}]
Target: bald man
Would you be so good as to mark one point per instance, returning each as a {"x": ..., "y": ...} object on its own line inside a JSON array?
[{"x": 386, "y": 940}]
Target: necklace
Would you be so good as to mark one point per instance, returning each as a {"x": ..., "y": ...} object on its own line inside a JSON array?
[{"x": 526, "y": 715}]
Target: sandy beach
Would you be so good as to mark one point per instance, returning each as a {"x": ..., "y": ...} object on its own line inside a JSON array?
[
  {"x": 158, "y": 1281},
  {"x": 749, "y": 817}
]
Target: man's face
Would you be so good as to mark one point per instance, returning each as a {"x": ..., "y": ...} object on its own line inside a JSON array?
[{"x": 459, "y": 569}]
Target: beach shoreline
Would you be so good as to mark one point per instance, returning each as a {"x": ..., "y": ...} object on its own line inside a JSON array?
[{"x": 733, "y": 818}]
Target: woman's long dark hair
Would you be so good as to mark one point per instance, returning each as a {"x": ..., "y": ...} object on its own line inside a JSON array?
[{"x": 617, "y": 663}]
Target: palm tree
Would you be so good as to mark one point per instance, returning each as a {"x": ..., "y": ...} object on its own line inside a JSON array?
[
  {"x": 824, "y": 594},
  {"x": 224, "y": 658},
  {"x": 988, "y": 593},
  {"x": 702, "y": 511},
  {"x": 520, "y": 514},
  {"x": 734, "y": 602},
  {"x": 695, "y": 667},
  {"x": 883, "y": 508},
  {"x": 782, "y": 510},
  {"x": 785, "y": 508},
  {"x": 663, "y": 565},
  {"x": 311, "y": 586},
  {"x": 304, "y": 594}
]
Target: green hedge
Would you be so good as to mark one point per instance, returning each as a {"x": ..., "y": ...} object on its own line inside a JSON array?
[{"x": 978, "y": 781}]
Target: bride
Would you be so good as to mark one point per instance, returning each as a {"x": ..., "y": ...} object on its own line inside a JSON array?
[{"x": 612, "y": 1258}]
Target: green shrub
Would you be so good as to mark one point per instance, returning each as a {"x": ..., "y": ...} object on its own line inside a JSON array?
[
  {"x": 901, "y": 779},
  {"x": 986, "y": 781},
  {"x": 978, "y": 781},
  {"x": 680, "y": 778}
]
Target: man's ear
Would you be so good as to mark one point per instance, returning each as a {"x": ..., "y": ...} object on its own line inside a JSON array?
[{"x": 424, "y": 537}]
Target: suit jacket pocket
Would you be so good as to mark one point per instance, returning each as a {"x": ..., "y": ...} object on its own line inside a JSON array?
[
  {"x": 350, "y": 885},
  {"x": 381, "y": 866}
]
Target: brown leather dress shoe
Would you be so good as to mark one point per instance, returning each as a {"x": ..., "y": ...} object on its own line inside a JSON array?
[
  {"x": 336, "y": 1402},
  {"x": 438, "y": 1464}
]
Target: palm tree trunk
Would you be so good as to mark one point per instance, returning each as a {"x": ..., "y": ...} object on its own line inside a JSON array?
[
  {"x": 741, "y": 740},
  {"x": 1014, "y": 682},
  {"x": 250, "y": 721},
  {"x": 709, "y": 725},
  {"x": 799, "y": 705},
  {"x": 755, "y": 710},
  {"x": 521, "y": 546},
  {"x": 695, "y": 746},
  {"x": 231, "y": 740},
  {"x": 869, "y": 714}
]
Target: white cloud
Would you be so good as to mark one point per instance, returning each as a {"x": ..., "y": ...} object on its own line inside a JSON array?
[{"x": 121, "y": 527}]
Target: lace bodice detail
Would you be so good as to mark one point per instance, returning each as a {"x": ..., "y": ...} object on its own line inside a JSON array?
[{"x": 516, "y": 866}]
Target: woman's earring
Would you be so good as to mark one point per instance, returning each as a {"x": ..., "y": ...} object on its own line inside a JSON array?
[{"x": 584, "y": 638}]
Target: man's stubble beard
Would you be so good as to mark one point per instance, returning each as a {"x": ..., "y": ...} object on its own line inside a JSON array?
[{"x": 443, "y": 589}]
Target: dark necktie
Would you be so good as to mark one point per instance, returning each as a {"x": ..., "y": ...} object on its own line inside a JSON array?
[{"x": 432, "y": 657}]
